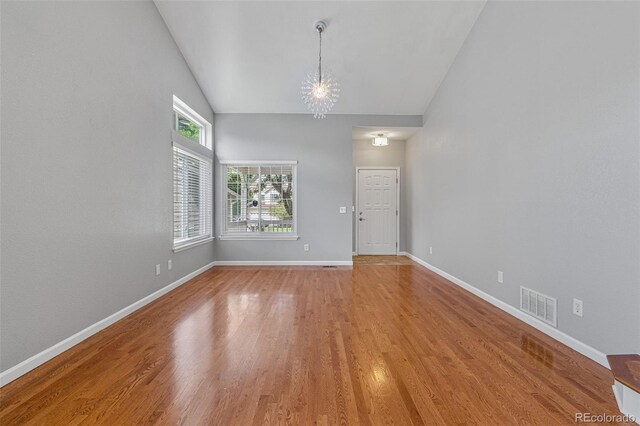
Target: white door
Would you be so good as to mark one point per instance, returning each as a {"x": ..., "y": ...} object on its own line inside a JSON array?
[{"x": 377, "y": 215}]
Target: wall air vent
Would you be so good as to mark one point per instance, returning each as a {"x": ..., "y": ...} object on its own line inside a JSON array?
[{"x": 538, "y": 305}]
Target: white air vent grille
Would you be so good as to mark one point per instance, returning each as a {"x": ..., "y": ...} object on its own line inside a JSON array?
[{"x": 539, "y": 306}]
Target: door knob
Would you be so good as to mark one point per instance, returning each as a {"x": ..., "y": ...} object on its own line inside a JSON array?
[{"x": 361, "y": 219}]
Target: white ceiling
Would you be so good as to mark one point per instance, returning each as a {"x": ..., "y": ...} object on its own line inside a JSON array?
[
  {"x": 250, "y": 57},
  {"x": 394, "y": 133}
]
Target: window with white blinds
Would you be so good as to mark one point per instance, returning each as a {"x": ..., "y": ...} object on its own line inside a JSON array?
[
  {"x": 192, "y": 178},
  {"x": 260, "y": 200}
]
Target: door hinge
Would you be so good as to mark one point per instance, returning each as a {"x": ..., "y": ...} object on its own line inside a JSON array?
[
  {"x": 396, "y": 244},
  {"x": 396, "y": 212},
  {"x": 396, "y": 180}
]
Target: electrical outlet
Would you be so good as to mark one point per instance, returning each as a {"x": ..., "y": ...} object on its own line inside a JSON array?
[
  {"x": 430, "y": 250},
  {"x": 169, "y": 265},
  {"x": 500, "y": 277},
  {"x": 343, "y": 210},
  {"x": 577, "y": 307},
  {"x": 158, "y": 269},
  {"x": 306, "y": 247}
]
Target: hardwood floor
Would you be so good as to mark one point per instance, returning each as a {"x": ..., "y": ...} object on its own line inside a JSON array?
[
  {"x": 626, "y": 369},
  {"x": 376, "y": 344}
]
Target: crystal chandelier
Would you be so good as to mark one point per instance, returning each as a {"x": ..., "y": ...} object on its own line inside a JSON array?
[{"x": 320, "y": 91}]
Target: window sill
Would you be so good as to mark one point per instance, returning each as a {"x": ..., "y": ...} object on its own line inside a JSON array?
[
  {"x": 259, "y": 237},
  {"x": 189, "y": 245}
]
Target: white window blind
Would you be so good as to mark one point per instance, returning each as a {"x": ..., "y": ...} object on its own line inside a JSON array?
[
  {"x": 260, "y": 200},
  {"x": 191, "y": 197}
]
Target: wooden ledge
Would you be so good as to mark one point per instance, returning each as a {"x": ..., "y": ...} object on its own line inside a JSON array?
[{"x": 626, "y": 370}]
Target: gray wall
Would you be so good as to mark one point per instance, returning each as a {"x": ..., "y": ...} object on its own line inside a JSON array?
[
  {"x": 324, "y": 152},
  {"x": 529, "y": 163},
  {"x": 86, "y": 166},
  {"x": 392, "y": 155}
]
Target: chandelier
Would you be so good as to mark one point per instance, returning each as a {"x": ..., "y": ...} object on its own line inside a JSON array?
[{"x": 320, "y": 91}]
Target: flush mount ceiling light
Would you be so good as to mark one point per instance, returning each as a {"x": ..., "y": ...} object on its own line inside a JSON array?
[
  {"x": 320, "y": 91},
  {"x": 380, "y": 140}
]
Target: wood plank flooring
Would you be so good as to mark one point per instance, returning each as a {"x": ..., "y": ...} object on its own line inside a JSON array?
[
  {"x": 626, "y": 369},
  {"x": 372, "y": 344}
]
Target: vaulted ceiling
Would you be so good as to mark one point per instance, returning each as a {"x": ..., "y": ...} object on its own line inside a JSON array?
[{"x": 251, "y": 57}]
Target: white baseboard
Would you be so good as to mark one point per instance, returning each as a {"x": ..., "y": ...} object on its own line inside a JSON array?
[
  {"x": 283, "y": 262},
  {"x": 38, "y": 359},
  {"x": 564, "y": 338}
]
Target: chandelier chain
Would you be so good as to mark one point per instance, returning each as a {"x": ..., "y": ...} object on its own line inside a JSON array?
[{"x": 320, "y": 56}]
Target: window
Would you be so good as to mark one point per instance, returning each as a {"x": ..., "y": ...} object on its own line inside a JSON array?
[
  {"x": 192, "y": 178},
  {"x": 260, "y": 200},
  {"x": 187, "y": 128}
]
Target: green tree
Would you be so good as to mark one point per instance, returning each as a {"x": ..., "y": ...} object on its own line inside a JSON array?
[
  {"x": 188, "y": 129},
  {"x": 282, "y": 184}
]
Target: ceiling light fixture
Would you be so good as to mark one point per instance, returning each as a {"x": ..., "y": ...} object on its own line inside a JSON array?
[
  {"x": 320, "y": 91},
  {"x": 380, "y": 140}
]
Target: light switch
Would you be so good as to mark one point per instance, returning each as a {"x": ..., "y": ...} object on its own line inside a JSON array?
[{"x": 343, "y": 209}]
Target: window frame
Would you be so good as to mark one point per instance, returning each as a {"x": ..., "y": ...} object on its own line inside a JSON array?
[
  {"x": 206, "y": 137},
  {"x": 202, "y": 151},
  {"x": 249, "y": 236}
]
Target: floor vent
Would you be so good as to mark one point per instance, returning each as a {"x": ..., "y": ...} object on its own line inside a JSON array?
[{"x": 538, "y": 305}]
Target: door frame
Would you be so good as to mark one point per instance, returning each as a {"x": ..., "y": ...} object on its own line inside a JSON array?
[{"x": 355, "y": 216}]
